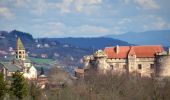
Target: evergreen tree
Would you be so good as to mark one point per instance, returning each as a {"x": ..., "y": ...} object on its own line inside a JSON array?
[
  {"x": 42, "y": 71},
  {"x": 19, "y": 86},
  {"x": 3, "y": 86}
]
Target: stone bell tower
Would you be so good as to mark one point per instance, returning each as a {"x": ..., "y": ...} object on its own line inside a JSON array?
[{"x": 20, "y": 50}]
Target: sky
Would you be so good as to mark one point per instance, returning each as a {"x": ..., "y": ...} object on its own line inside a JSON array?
[{"x": 83, "y": 18}]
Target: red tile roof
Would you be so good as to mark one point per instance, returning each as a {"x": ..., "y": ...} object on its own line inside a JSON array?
[
  {"x": 111, "y": 52},
  {"x": 147, "y": 51},
  {"x": 139, "y": 51}
]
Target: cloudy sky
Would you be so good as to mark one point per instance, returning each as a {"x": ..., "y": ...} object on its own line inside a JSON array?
[{"x": 83, "y": 18}]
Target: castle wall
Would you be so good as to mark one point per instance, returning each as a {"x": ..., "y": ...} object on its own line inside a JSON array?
[
  {"x": 117, "y": 65},
  {"x": 163, "y": 64},
  {"x": 145, "y": 67}
]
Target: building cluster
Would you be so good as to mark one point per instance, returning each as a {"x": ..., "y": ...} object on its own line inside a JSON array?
[
  {"x": 20, "y": 63},
  {"x": 145, "y": 61}
]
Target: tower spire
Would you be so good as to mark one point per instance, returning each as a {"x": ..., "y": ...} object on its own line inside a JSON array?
[
  {"x": 19, "y": 44},
  {"x": 20, "y": 50}
]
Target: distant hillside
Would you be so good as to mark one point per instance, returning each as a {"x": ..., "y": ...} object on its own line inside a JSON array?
[
  {"x": 145, "y": 38},
  {"x": 92, "y": 43},
  {"x": 8, "y": 39},
  {"x": 65, "y": 51}
]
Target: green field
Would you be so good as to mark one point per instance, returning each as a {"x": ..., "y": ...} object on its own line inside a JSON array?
[{"x": 40, "y": 60}]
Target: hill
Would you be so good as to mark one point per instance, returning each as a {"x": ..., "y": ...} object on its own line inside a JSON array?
[
  {"x": 8, "y": 39},
  {"x": 65, "y": 52},
  {"x": 91, "y": 43},
  {"x": 145, "y": 38}
]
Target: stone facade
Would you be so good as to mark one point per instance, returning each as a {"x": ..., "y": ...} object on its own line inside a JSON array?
[{"x": 145, "y": 61}]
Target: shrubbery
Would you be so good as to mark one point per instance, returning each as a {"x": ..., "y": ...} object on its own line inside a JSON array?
[{"x": 113, "y": 87}]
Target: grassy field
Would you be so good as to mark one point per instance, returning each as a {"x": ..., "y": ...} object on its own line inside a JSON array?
[{"x": 40, "y": 60}]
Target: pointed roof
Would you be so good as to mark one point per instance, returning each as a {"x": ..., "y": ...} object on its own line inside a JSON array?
[{"x": 19, "y": 44}]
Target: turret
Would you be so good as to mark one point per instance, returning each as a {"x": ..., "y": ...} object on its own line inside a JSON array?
[
  {"x": 100, "y": 54},
  {"x": 169, "y": 51}
]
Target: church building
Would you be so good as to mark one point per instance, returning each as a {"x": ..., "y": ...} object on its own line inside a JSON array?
[{"x": 20, "y": 63}]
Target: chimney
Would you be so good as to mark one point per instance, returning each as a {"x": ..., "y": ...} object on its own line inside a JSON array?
[{"x": 117, "y": 49}]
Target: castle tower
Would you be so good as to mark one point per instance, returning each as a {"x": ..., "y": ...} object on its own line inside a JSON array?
[
  {"x": 20, "y": 50},
  {"x": 101, "y": 64}
]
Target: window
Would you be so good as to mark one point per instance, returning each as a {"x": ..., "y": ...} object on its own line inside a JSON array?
[
  {"x": 139, "y": 66},
  {"x": 124, "y": 66},
  {"x": 151, "y": 66},
  {"x": 111, "y": 67},
  {"x": 20, "y": 56},
  {"x": 19, "y": 52}
]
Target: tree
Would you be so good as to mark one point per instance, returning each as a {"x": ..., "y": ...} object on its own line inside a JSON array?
[
  {"x": 19, "y": 86},
  {"x": 35, "y": 91},
  {"x": 3, "y": 86},
  {"x": 42, "y": 71}
]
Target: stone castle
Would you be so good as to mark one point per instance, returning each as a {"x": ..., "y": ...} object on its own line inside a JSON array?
[{"x": 146, "y": 61}]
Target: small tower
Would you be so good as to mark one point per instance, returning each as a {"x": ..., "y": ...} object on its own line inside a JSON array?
[{"x": 20, "y": 50}]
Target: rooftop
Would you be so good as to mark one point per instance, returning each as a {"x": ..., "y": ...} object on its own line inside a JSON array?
[{"x": 140, "y": 51}]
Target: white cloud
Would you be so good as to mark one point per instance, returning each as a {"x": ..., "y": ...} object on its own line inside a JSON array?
[
  {"x": 6, "y": 13},
  {"x": 40, "y": 7},
  {"x": 124, "y": 21},
  {"x": 21, "y": 3},
  {"x": 147, "y": 4},
  {"x": 144, "y": 4},
  {"x": 67, "y": 6},
  {"x": 89, "y": 30},
  {"x": 59, "y": 29}
]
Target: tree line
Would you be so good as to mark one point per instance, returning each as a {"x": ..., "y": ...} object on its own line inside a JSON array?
[{"x": 18, "y": 88}]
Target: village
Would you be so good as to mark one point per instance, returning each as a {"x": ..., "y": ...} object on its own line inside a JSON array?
[{"x": 149, "y": 61}]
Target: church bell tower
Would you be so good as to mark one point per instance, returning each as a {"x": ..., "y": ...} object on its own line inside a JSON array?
[{"x": 20, "y": 50}]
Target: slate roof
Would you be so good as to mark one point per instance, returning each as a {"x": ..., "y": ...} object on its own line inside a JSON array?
[{"x": 10, "y": 67}]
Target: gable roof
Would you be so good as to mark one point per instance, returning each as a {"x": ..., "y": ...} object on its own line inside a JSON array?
[
  {"x": 10, "y": 67},
  {"x": 146, "y": 51},
  {"x": 139, "y": 51},
  {"x": 111, "y": 52}
]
